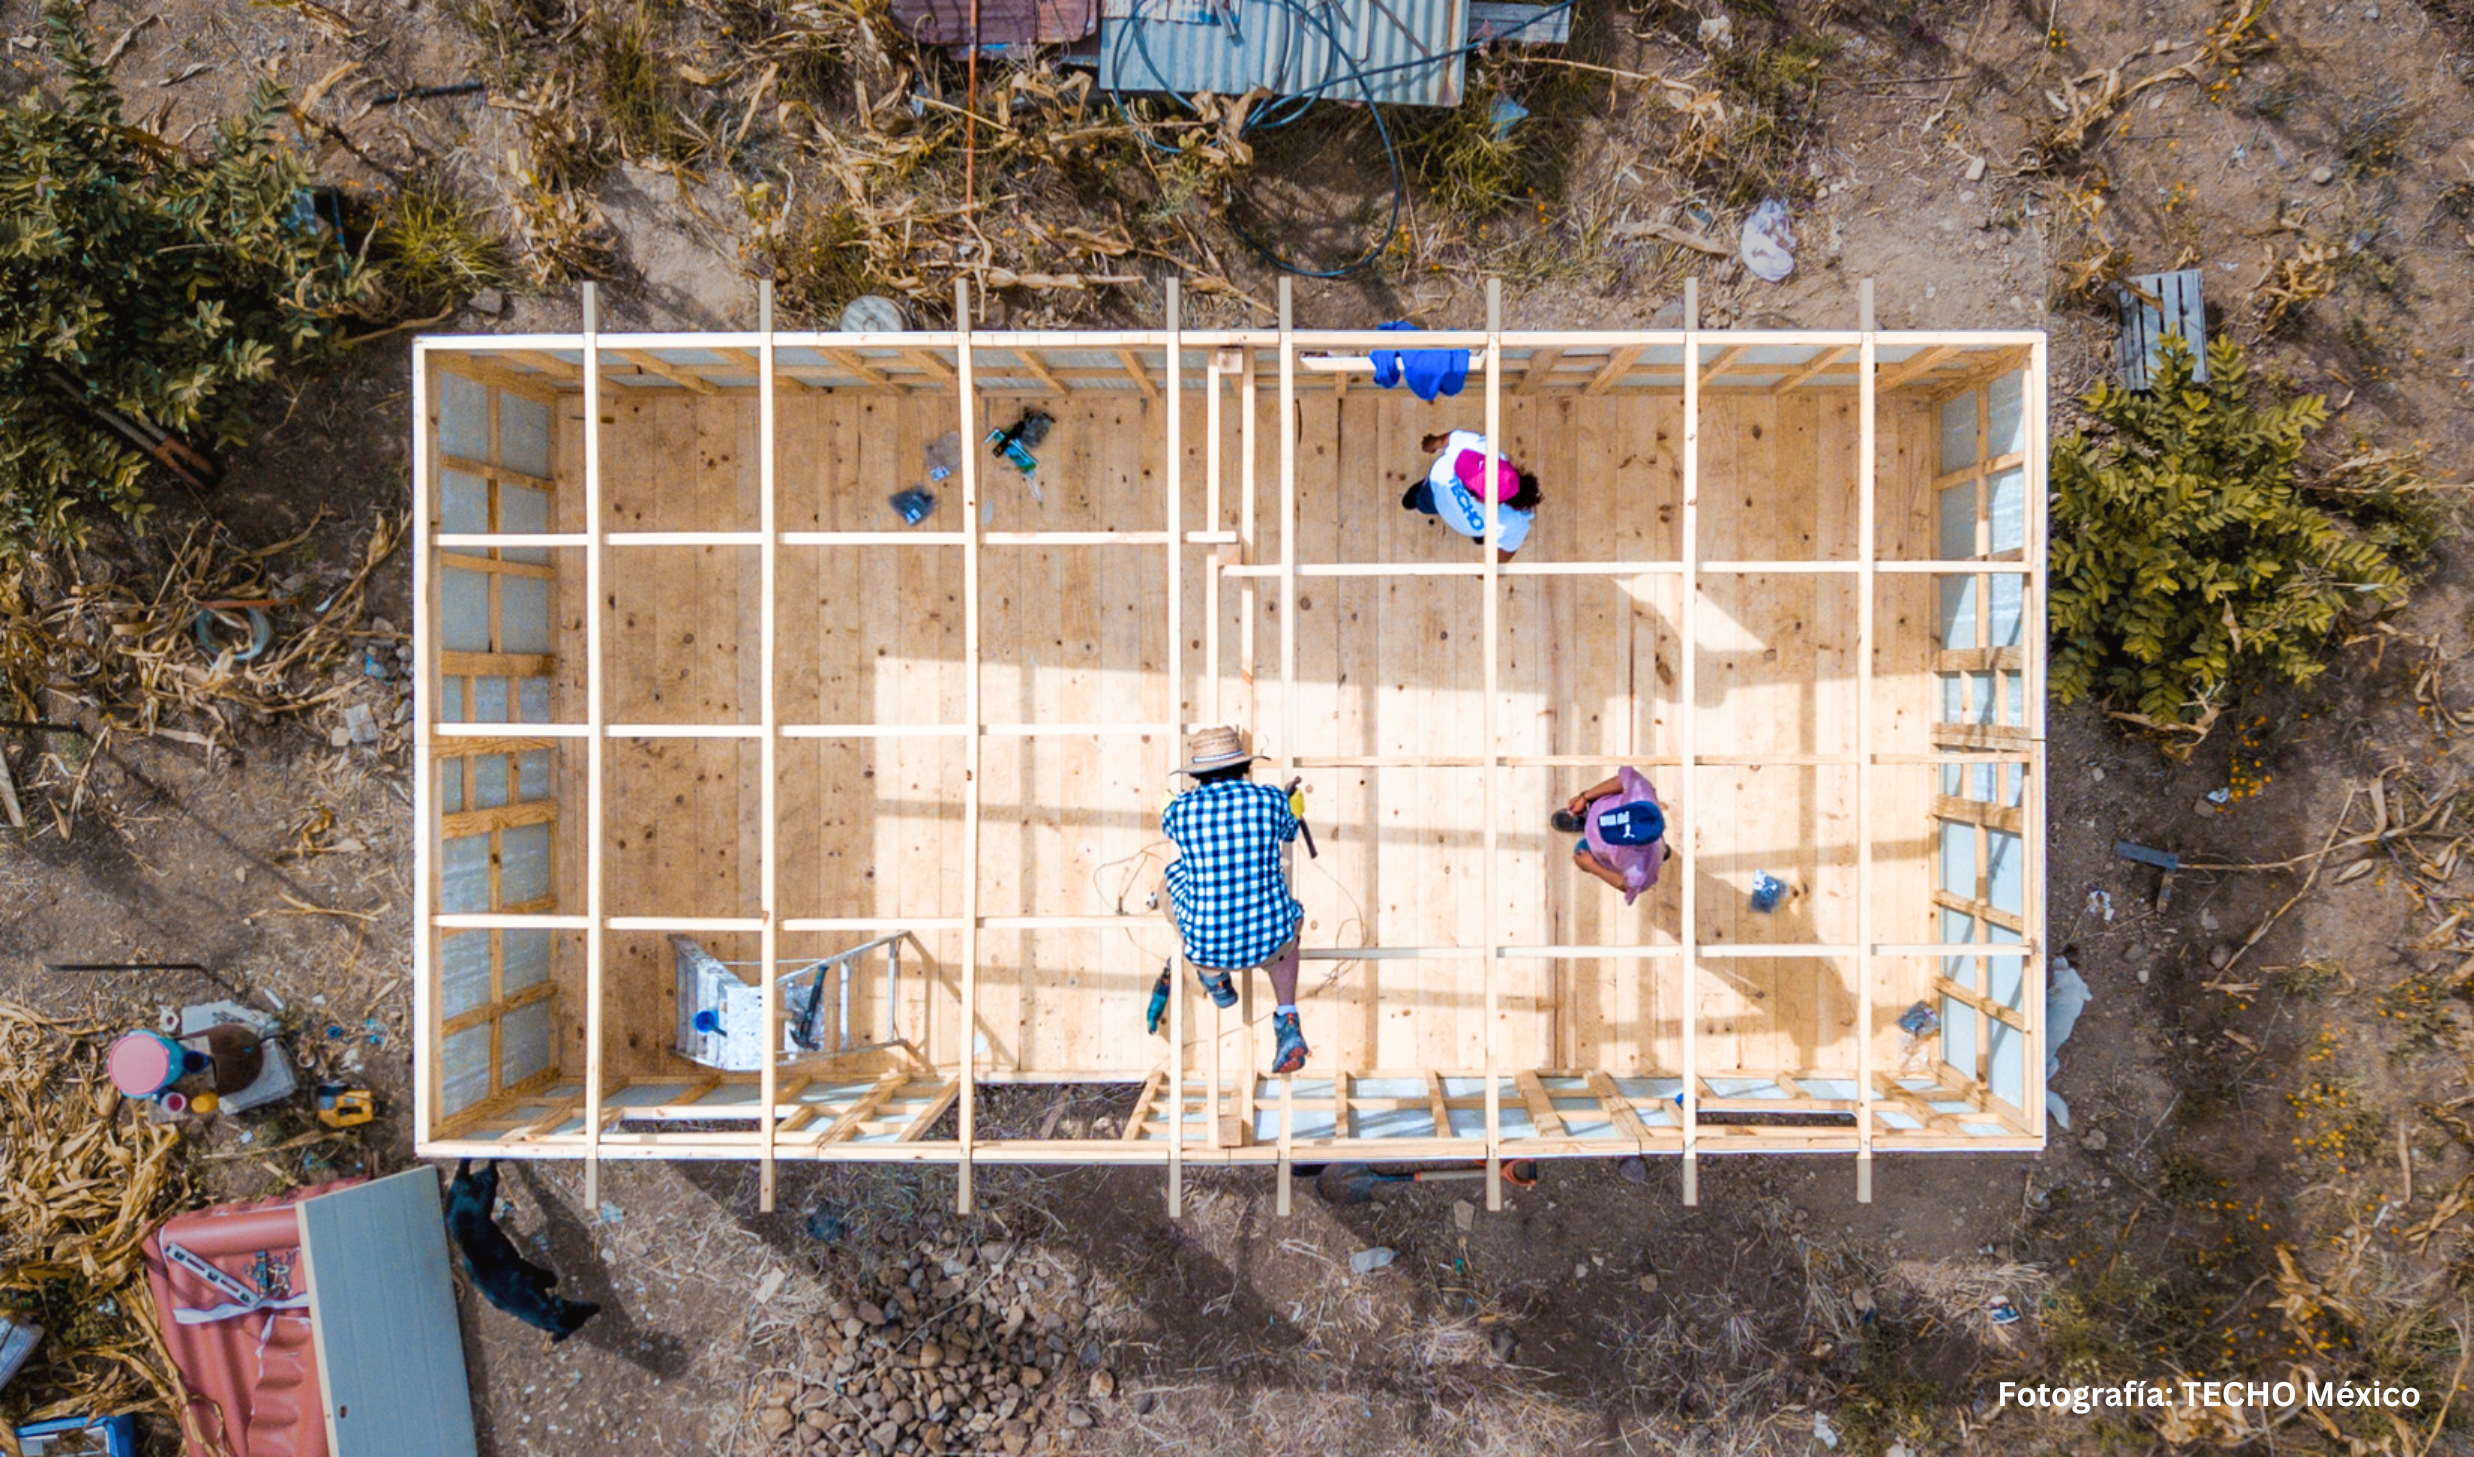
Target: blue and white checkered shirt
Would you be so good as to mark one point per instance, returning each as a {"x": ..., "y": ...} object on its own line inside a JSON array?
[{"x": 1233, "y": 904}]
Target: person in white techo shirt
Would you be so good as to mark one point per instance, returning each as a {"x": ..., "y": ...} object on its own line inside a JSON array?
[{"x": 1450, "y": 492}]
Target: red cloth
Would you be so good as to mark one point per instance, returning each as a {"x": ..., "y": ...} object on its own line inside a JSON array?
[{"x": 253, "y": 1379}]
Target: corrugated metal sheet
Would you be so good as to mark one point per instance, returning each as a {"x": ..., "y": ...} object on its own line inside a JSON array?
[{"x": 1401, "y": 52}]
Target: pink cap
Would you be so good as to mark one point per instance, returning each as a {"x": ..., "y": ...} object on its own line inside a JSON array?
[
  {"x": 1471, "y": 468},
  {"x": 144, "y": 1063}
]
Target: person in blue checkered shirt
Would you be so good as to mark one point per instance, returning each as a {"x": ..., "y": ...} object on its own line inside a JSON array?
[{"x": 1228, "y": 888}]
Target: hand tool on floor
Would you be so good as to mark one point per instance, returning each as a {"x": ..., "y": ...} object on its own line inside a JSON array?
[
  {"x": 1356, "y": 1183},
  {"x": 1297, "y": 807},
  {"x": 2165, "y": 861}
]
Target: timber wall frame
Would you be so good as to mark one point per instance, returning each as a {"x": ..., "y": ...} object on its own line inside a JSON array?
[{"x": 1186, "y": 1114}]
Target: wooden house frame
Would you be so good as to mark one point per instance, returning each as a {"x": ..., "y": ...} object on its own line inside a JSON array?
[{"x": 682, "y": 672}]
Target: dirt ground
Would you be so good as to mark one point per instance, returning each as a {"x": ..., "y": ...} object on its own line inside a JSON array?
[{"x": 1593, "y": 1313}]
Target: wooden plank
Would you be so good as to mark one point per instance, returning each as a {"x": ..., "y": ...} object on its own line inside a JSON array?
[
  {"x": 1687, "y": 739},
  {"x": 1134, "y": 370},
  {"x": 1913, "y": 368},
  {"x": 768, "y": 766},
  {"x": 1618, "y": 364},
  {"x": 1868, "y": 392},
  {"x": 1816, "y": 365},
  {"x": 391, "y": 1380},
  {"x": 596, "y": 788},
  {"x": 926, "y": 1118},
  {"x": 652, "y": 363},
  {"x": 966, "y": 1052},
  {"x": 875, "y": 377},
  {"x": 1541, "y": 363},
  {"x": 1490, "y": 737}
]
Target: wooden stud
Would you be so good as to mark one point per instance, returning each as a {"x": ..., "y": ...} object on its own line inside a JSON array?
[
  {"x": 1134, "y": 370},
  {"x": 1618, "y": 364},
  {"x": 1174, "y": 488},
  {"x": 1535, "y": 370},
  {"x": 868, "y": 373},
  {"x": 1819, "y": 362},
  {"x": 1489, "y": 730},
  {"x": 1911, "y": 369},
  {"x": 968, "y": 1053},
  {"x": 681, "y": 374},
  {"x": 1688, "y": 929},
  {"x": 426, "y": 1094},
  {"x": 768, "y": 768},
  {"x": 596, "y": 805},
  {"x": 1867, "y": 428}
]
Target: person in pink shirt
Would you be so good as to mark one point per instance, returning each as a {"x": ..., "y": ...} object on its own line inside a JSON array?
[{"x": 1622, "y": 829}]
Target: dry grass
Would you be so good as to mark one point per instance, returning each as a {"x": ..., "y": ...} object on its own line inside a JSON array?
[
  {"x": 84, "y": 1177},
  {"x": 2293, "y": 282},
  {"x": 123, "y": 646}
]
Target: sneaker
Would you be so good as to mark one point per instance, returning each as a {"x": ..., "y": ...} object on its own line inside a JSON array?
[
  {"x": 1290, "y": 1054},
  {"x": 1223, "y": 990},
  {"x": 1408, "y": 498}
]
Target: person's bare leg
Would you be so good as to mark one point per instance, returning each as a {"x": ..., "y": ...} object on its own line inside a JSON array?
[{"x": 1282, "y": 970}]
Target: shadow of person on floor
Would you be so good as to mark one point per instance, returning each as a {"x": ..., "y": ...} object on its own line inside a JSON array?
[{"x": 583, "y": 1276}]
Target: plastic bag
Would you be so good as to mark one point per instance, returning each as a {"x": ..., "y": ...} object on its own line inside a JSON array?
[{"x": 1768, "y": 244}]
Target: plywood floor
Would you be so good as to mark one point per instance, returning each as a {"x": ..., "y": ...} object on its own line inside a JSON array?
[{"x": 1386, "y": 667}]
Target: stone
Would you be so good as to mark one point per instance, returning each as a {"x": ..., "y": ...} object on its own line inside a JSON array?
[
  {"x": 931, "y": 1356},
  {"x": 1649, "y": 1284},
  {"x": 870, "y": 1313},
  {"x": 1144, "y": 1403},
  {"x": 339, "y": 737},
  {"x": 886, "y": 1434},
  {"x": 1103, "y": 1384},
  {"x": 1032, "y": 1376},
  {"x": 775, "y": 1422},
  {"x": 901, "y": 1414},
  {"x": 1076, "y": 1416},
  {"x": 1975, "y": 169},
  {"x": 2323, "y": 175},
  {"x": 2095, "y": 1141},
  {"x": 851, "y": 1326},
  {"x": 491, "y": 301},
  {"x": 1464, "y": 1215},
  {"x": 2219, "y": 955}
]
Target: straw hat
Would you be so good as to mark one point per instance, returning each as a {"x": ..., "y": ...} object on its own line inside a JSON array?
[{"x": 1216, "y": 748}]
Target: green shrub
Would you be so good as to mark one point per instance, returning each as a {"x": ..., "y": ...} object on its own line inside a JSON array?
[
  {"x": 139, "y": 279},
  {"x": 433, "y": 250},
  {"x": 2185, "y": 554}
]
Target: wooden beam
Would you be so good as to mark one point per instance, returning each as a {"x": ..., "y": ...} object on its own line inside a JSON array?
[
  {"x": 1814, "y": 366},
  {"x": 652, "y": 363},
  {"x": 1725, "y": 360},
  {"x": 756, "y": 367},
  {"x": 1540, "y": 364},
  {"x": 1687, "y": 722},
  {"x": 549, "y": 364},
  {"x": 1618, "y": 364},
  {"x": 1912, "y": 368},
  {"x": 1134, "y": 370},
  {"x": 1038, "y": 370},
  {"x": 1490, "y": 740},
  {"x": 860, "y": 367},
  {"x": 595, "y": 803},
  {"x": 967, "y": 1052},
  {"x": 768, "y": 765},
  {"x": 1867, "y": 398},
  {"x": 1173, "y": 487},
  {"x": 927, "y": 1116}
]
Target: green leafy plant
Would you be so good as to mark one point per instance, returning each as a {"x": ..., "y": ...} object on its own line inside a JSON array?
[
  {"x": 2185, "y": 553},
  {"x": 433, "y": 250},
  {"x": 141, "y": 282}
]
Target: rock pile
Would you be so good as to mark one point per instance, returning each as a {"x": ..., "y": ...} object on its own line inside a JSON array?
[{"x": 955, "y": 1348}]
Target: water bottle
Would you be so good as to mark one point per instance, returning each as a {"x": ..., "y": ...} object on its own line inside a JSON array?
[{"x": 943, "y": 455}]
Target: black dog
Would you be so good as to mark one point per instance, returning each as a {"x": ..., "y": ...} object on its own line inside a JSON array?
[{"x": 509, "y": 1281}]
